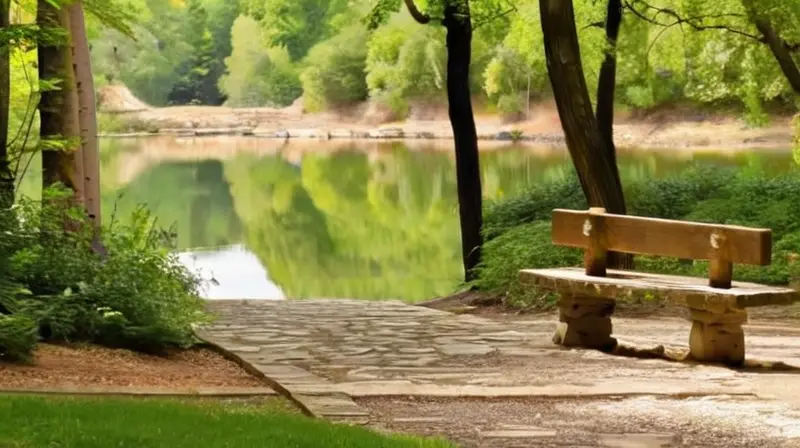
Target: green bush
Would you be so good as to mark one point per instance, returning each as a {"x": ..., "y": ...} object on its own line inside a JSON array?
[
  {"x": 511, "y": 105},
  {"x": 517, "y": 230},
  {"x": 521, "y": 247},
  {"x": 335, "y": 71},
  {"x": 258, "y": 76},
  {"x": 120, "y": 287},
  {"x": 405, "y": 62},
  {"x": 536, "y": 204},
  {"x": 18, "y": 337},
  {"x": 796, "y": 140}
]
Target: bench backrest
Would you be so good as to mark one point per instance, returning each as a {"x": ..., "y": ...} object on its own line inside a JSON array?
[{"x": 598, "y": 232}]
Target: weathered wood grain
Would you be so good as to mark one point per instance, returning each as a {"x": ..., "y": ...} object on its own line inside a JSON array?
[{"x": 651, "y": 236}]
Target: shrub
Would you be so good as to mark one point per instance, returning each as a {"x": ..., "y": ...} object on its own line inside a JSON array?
[
  {"x": 517, "y": 230},
  {"x": 335, "y": 71},
  {"x": 404, "y": 64},
  {"x": 536, "y": 204},
  {"x": 258, "y": 76},
  {"x": 796, "y": 140},
  {"x": 511, "y": 106},
  {"x": 521, "y": 247},
  {"x": 18, "y": 337},
  {"x": 133, "y": 293}
]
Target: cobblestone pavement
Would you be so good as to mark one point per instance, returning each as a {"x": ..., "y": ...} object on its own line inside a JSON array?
[{"x": 360, "y": 361}]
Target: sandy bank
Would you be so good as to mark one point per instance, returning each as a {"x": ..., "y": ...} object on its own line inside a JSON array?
[{"x": 676, "y": 129}]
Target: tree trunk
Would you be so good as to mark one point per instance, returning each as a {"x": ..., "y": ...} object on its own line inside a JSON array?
[
  {"x": 607, "y": 82},
  {"x": 458, "y": 23},
  {"x": 58, "y": 109},
  {"x": 606, "y": 94},
  {"x": 586, "y": 146},
  {"x": 6, "y": 177},
  {"x": 782, "y": 54},
  {"x": 87, "y": 115}
]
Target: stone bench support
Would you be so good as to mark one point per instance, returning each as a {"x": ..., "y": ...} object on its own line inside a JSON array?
[
  {"x": 718, "y": 337},
  {"x": 585, "y": 322},
  {"x": 717, "y": 314}
]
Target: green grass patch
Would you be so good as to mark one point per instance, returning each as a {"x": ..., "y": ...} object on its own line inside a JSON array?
[
  {"x": 517, "y": 230},
  {"x": 27, "y": 421},
  {"x": 110, "y": 123}
]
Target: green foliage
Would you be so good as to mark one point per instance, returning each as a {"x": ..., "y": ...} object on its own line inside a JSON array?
[
  {"x": 297, "y": 25},
  {"x": 113, "y": 123},
  {"x": 526, "y": 246},
  {"x": 258, "y": 76},
  {"x": 406, "y": 61},
  {"x": 506, "y": 80},
  {"x": 796, "y": 140},
  {"x": 134, "y": 293},
  {"x": 176, "y": 55},
  {"x": 198, "y": 75},
  {"x": 511, "y": 105},
  {"x": 335, "y": 71},
  {"x": 713, "y": 57},
  {"x": 18, "y": 337},
  {"x": 518, "y": 229},
  {"x": 536, "y": 204}
]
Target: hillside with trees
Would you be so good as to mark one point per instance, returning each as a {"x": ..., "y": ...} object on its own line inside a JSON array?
[{"x": 730, "y": 54}]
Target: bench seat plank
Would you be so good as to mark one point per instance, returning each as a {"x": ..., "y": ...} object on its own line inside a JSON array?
[{"x": 692, "y": 292}]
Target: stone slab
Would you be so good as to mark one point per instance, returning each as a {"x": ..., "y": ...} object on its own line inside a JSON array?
[{"x": 692, "y": 292}]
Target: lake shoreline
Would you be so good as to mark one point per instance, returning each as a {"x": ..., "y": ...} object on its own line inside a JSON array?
[
  {"x": 728, "y": 135},
  {"x": 663, "y": 129}
]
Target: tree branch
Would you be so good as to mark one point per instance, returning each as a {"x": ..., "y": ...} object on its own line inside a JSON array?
[
  {"x": 694, "y": 22},
  {"x": 416, "y": 13},
  {"x": 494, "y": 17},
  {"x": 600, "y": 25}
]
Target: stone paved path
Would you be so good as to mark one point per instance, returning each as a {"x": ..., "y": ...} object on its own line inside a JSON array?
[{"x": 349, "y": 360}]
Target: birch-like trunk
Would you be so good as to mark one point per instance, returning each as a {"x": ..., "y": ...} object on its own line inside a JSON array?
[{"x": 87, "y": 114}]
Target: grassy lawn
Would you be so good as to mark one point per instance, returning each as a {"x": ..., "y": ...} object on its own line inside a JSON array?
[{"x": 27, "y": 421}]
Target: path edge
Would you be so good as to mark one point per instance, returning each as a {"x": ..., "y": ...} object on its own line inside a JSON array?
[
  {"x": 141, "y": 393},
  {"x": 255, "y": 371}
]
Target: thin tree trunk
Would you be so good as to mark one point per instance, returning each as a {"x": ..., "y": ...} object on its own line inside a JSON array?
[
  {"x": 587, "y": 147},
  {"x": 606, "y": 94},
  {"x": 6, "y": 177},
  {"x": 607, "y": 82},
  {"x": 782, "y": 54},
  {"x": 458, "y": 23},
  {"x": 87, "y": 115},
  {"x": 58, "y": 109}
]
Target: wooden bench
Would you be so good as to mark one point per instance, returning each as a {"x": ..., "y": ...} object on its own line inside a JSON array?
[{"x": 717, "y": 305}]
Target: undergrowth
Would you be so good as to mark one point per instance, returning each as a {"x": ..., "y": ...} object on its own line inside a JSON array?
[
  {"x": 62, "y": 280},
  {"x": 517, "y": 230}
]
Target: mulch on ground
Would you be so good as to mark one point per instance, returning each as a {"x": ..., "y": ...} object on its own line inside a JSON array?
[{"x": 97, "y": 367}]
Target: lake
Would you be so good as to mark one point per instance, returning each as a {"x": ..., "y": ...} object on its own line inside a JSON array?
[{"x": 374, "y": 220}]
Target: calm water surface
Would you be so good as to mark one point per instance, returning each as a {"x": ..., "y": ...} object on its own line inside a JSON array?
[{"x": 271, "y": 220}]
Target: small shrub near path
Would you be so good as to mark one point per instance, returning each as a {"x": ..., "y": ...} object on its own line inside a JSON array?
[
  {"x": 63, "y": 281},
  {"x": 101, "y": 423}
]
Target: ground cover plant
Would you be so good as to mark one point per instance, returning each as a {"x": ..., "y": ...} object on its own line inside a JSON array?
[{"x": 518, "y": 229}]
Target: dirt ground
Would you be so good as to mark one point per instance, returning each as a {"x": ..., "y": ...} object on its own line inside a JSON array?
[
  {"x": 621, "y": 422},
  {"x": 770, "y": 417},
  {"x": 97, "y": 367}
]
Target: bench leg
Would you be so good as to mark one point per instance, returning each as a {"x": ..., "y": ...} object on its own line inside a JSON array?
[
  {"x": 585, "y": 322},
  {"x": 718, "y": 337}
]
